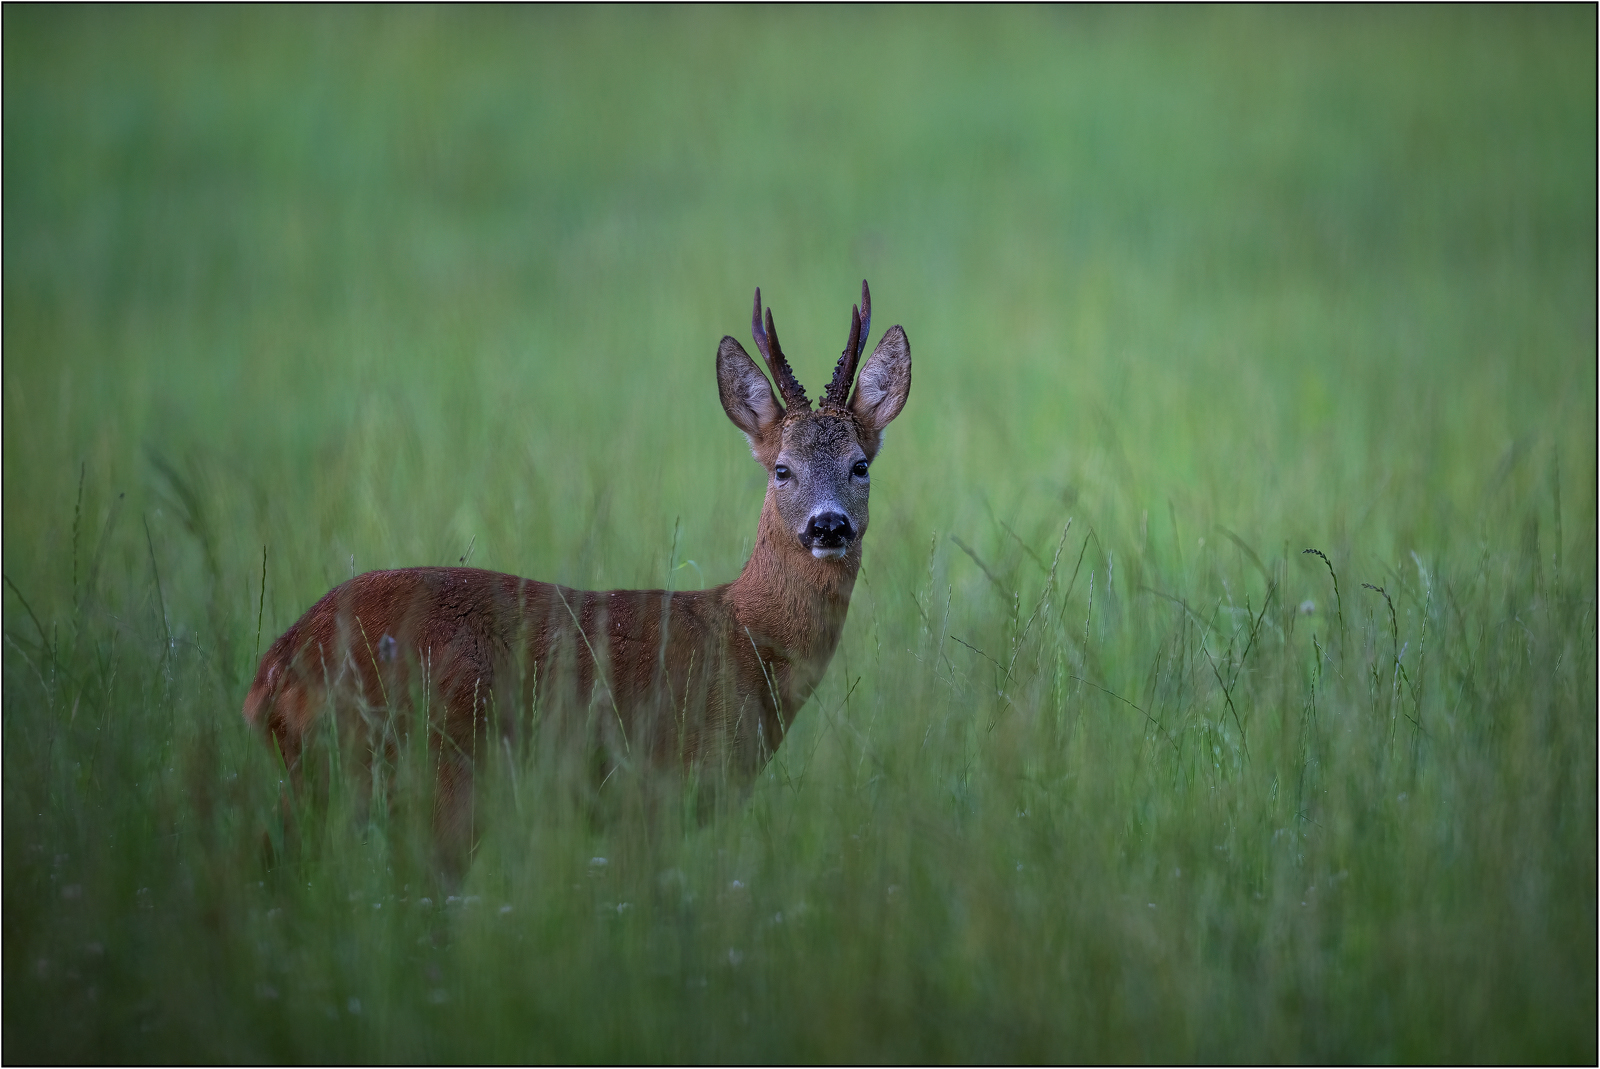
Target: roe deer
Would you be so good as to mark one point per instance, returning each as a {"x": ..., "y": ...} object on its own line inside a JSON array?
[{"x": 696, "y": 679}]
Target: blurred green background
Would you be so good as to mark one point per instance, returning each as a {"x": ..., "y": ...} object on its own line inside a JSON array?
[{"x": 364, "y": 288}]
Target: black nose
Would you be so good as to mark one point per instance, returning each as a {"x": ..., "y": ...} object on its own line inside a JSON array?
[{"x": 829, "y": 530}]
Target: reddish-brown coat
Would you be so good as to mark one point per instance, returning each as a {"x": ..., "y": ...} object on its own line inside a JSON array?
[{"x": 719, "y": 683}]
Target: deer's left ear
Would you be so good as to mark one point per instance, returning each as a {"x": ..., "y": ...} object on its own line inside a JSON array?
[{"x": 882, "y": 388}]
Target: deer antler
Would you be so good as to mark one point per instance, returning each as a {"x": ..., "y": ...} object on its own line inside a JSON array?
[
  {"x": 794, "y": 395},
  {"x": 844, "y": 373}
]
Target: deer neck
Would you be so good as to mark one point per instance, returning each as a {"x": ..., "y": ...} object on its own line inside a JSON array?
[{"x": 790, "y": 602}]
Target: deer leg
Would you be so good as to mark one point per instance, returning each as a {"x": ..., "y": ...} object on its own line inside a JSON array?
[
  {"x": 461, "y": 740},
  {"x": 280, "y": 711},
  {"x": 453, "y": 831}
]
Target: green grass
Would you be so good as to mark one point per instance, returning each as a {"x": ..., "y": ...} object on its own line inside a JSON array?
[{"x": 383, "y": 288}]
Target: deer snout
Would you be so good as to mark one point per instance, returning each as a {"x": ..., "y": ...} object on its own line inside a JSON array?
[{"x": 828, "y": 535}]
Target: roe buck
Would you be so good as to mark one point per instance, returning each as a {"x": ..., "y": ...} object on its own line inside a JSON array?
[{"x": 698, "y": 679}]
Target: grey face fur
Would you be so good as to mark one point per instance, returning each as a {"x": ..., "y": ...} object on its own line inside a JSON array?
[
  {"x": 821, "y": 476},
  {"x": 818, "y": 462}
]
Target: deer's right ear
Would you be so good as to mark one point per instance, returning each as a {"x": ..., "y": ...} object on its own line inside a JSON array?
[{"x": 747, "y": 397}]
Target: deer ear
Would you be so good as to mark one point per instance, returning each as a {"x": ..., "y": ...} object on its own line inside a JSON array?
[
  {"x": 882, "y": 387},
  {"x": 747, "y": 397}
]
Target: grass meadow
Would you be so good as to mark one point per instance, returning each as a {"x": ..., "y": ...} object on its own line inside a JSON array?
[{"x": 1108, "y": 767}]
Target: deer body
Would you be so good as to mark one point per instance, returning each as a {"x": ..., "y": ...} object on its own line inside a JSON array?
[{"x": 690, "y": 679}]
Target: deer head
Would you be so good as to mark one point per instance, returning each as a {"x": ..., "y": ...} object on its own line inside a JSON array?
[{"x": 818, "y": 461}]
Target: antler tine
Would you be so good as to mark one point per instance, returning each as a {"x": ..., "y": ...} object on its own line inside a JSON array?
[
  {"x": 794, "y": 395},
  {"x": 866, "y": 318},
  {"x": 844, "y": 372}
]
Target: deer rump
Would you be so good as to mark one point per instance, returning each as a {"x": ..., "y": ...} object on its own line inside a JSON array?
[{"x": 654, "y": 679}]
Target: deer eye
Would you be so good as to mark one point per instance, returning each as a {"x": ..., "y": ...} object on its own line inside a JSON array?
[
  {"x": 860, "y": 470},
  {"x": 782, "y": 472}
]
